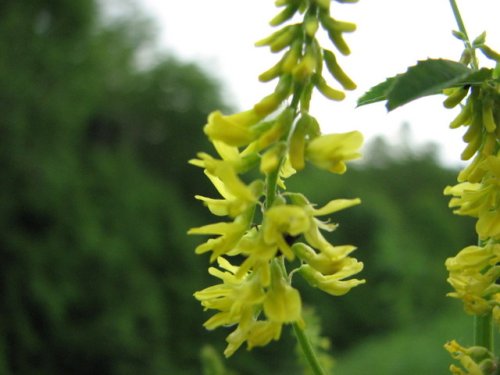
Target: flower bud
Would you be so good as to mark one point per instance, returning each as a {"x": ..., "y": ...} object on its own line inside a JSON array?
[
  {"x": 298, "y": 143},
  {"x": 336, "y": 71},
  {"x": 327, "y": 90},
  {"x": 456, "y": 96},
  {"x": 284, "y": 15},
  {"x": 488, "y": 119}
]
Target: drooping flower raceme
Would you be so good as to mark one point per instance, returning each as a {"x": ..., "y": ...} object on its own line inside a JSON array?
[
  {"x": 265, "y": 234},
  {"x": 475, "y": 270}
]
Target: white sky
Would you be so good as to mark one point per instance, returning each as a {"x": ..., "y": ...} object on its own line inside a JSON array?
[{"x": 391, "y": 35}]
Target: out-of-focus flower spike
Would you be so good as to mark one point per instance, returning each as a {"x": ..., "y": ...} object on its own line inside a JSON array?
[
  {"x": 327, "y": 90},
  {"x": 456, "y": 97},
  {"x": 336, "y": 71},
  {"x": 347, "y": 1},
  {"x": 284, "y": 15}
]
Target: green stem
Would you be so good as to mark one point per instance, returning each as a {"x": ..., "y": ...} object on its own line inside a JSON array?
[
  {"x": 308, "y": 350},
  {"x": 463, "y": 30},
  {"x": 483, "y": 331}
]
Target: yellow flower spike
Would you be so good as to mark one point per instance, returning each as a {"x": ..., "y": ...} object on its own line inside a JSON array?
[
  {"x": 233, "y": 130},
  {"x": 326, "y": 90},
  {"x": 331, "y": 151},
  {"x": 282, "y": 303},
  {"x": 337, "y": 72}
]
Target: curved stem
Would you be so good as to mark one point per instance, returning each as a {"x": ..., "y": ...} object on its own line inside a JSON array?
[
  {"x": 308, "y": 350},
  {"x": 483, "y": 331},
  {"x": 463, "y": 30}
]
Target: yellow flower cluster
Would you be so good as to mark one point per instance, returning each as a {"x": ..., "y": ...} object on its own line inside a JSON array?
[
  {"x": 474, "y": 360},
  {"x": 265, "y": 227},
  {"x": 474, "y": 271}
]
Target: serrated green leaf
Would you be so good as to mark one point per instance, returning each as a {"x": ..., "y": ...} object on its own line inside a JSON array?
[
  {"x": 475, "y": 78},
  {"x": 428, "y": 77},
  {"x": 377, "y": 93}
]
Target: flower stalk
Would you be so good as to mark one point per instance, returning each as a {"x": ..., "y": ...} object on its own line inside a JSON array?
[{"x": 256, "y": 254}]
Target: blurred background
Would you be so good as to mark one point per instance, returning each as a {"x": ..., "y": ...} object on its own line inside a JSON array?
[{"x": 97, "y": 274}]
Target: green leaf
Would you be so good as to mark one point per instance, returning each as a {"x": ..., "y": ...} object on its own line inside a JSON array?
[
  {"x": 428, "y": 77},
  {"x": 377, "y": 93}
]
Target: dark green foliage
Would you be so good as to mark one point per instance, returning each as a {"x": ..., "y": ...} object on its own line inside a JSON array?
[{"x": 97, "y": 274}]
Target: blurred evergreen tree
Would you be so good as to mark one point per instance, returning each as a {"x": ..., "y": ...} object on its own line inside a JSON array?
[{"x": 96, "y": 271}]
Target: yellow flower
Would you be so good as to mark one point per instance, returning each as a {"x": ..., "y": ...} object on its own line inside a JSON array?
[
  {"x": 475, "y": 360},
  {"x": 234, "y": 130},
  {"x": 229, "y": 234},
  {"x": 480, "y": 199},
  {"x": 237, "y": 196},
  {"x": 334, "y": 284},
  {"x": 473, "y": 275},
  {"x": 331, "y": 151},
  {"x": 282, "y": 303},
  {"x": 235, "y": 298},
  {"x": 281, "y": 222},
  {"x": 256, "y": 333}
]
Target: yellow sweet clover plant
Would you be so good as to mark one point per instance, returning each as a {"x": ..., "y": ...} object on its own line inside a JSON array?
[
  {"x": 474, "y": 272},
  {"x": 266, "y": 234}
]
